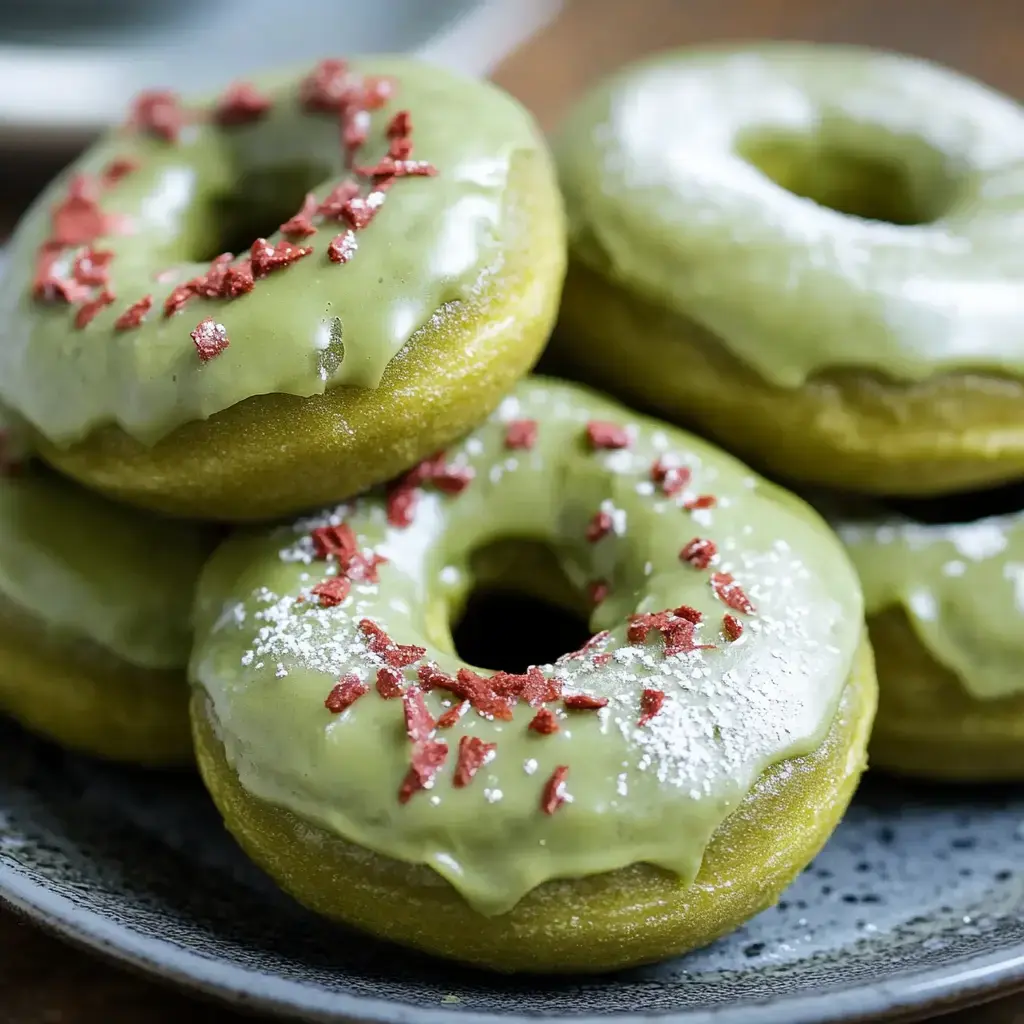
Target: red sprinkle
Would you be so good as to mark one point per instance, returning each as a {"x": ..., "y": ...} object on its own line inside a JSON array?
[
  {"x": 375, "y": 92},
  {"x": 241, "y": 103},
  {"x": 87, "y": 312},
  {"x": 427, "y": 759},
  {"x": 401, "y": 505},
  {"x": 346, "y": 692},
  {"x": 453, "y": 714},
  {"x": 544, "y": 722},
  {"x": 419, "y": 723},
  {"x": 400, "y": 125},
  {"x": 342, "y": 247},
  {"x": 473, "y": 755},
  {"x": 302, "y": 222},
  {"x": 729, "y": 592},
  {"x": 91, "y": 267},
  {"x": 354, "y": 132},
  {"x": 599, "y": 526},
  {"x": 554, "y": 794},
  {"x": 158, "y": 113},
  {"x": 389, "y": 682},
  {"x": 597, "y": 591},
  {"x": 358, "y": 211},
  {"x": 685, "y": 611},
  {"x": 326, "y": 88},
  {"x": 453, "y": 479},
  {"x": 337, "y": 541},
  {"x": 532, "y": 686},
  {"x": 134, "y": 314},
  {"x": 651, "y": 702},
  {"x": 210, "y": 339},
  {"x": 401, "y": 655},
  {"x": 677, "y": 630},
  {"x": 480, "y": 693},
  {"x": 266, "y": 258},
  {"x": 595, "y": 641},
  {"x": 363, "y": 569},
  {"x": 606, "y": 435},
  {"x": 77, "y": 219},
  {"x": 732, "y": 627},
  {"x": 118, "y": 168},
  {"x": 388, "y": 167},
  {"x": 701, "y": 501},
  {"x": 336, "y": 199},
  {"x": 584, "y": 702},
  {"x": 377, "y": 639},
  {"x": 521, "y": 434},
  {"x": 178, "y": 297},
  {"x": 672, "y": 479},
  {"x": 699, "y": 553},
  {"x": 332, "y": 591}
]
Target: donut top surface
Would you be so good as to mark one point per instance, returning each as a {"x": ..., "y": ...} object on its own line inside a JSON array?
[
  {"x": 86, "y": 569},
  {"x": 687, "y": 180},
  {"x": 961, "y": 587},
  {"x": 725, "y": 618},
  {"x": 114, "y": 313}
]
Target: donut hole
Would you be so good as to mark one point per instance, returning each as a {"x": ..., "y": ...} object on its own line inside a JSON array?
[
  {"x": 899, "y": 181},
  {"x": 256, "y": 206},
  {"x": 520, "y": 610}
]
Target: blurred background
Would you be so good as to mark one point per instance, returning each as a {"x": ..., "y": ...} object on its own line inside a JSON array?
[{"x": 69, "y": 67}]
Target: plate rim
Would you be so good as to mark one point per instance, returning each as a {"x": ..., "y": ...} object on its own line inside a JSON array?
[{"x": 974, "y": 980}]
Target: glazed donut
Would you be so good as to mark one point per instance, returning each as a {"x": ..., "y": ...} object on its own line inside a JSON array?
[
  {"x": 812, "y": 253},
  {"x": 945, "y": 604},
  {"x": 634, "y": 799},
  {"x": 95, "y": 605},
  {"x": 385, "y": 316}
]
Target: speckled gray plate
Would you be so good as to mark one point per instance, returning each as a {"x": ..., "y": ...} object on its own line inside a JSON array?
[{"x": 915, "y": 904}]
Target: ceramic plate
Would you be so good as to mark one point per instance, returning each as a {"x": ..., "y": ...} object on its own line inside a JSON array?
[{"x": 916, "y": 903}]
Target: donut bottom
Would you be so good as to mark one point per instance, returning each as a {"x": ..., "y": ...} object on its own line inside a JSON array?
[
  {"x": 273, "y": 455},
  {"x": 928, "y": 725},
  {"x": 623, "y": 918},
  {"x": 91, "y": 701},
  {"x": 850, "y": 428}
]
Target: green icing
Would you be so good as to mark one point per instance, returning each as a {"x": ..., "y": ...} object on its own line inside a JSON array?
[
  {"x": 962, "y": 588},
  {"x": 670, "y": 174},
  {"x": 303, "y": 329},
  {"x": 654, "y": 794},
  {"x": 90, "y": 570}
]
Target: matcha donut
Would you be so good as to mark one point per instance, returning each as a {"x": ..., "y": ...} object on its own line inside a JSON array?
[
  {"x": 945, "y": 605},
  {"x": 95, "y": 605},
  {"x": 407, "y": 268},
  {"x": 812, "y": 253},
  {"x": 631, "y": 800}
]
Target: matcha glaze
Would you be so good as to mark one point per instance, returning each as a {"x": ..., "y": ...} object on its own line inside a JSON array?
[
  {"x": 90, "y": 570},
  {"x": 692, "y": 179},
  {"x": 962, "y": 588},
  {"x": 268, "y": 653},
  {"x": 307, "y": 327}
]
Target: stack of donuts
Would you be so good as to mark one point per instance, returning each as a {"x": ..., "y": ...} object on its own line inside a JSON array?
[{"x": 271, "y": 429}]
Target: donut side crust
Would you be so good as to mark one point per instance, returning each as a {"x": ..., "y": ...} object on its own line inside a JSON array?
[
  {"x": 928, "y": 725},
  {"x": 846, "y": 428}
]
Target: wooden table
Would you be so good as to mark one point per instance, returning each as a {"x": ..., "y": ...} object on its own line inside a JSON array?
[{"x": 43, "y": 981}]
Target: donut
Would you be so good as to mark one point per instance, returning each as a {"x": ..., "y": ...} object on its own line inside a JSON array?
[
  {"x": 95, "y": 606},
  {"x": 945, "y": 605},
  {"x": 809, "y": 253},
  {"x": 627, "y": 801},
  {"x": 400, "y": 244}
]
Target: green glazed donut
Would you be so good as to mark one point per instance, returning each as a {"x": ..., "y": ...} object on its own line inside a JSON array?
[
  {"x": 945, "y": 605},
  {"x": 812, "y": 253},
  {"x": 370, "y": 323},
  {"x": 636, "y": 798},
  {"x": 95, "y": 604}
]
